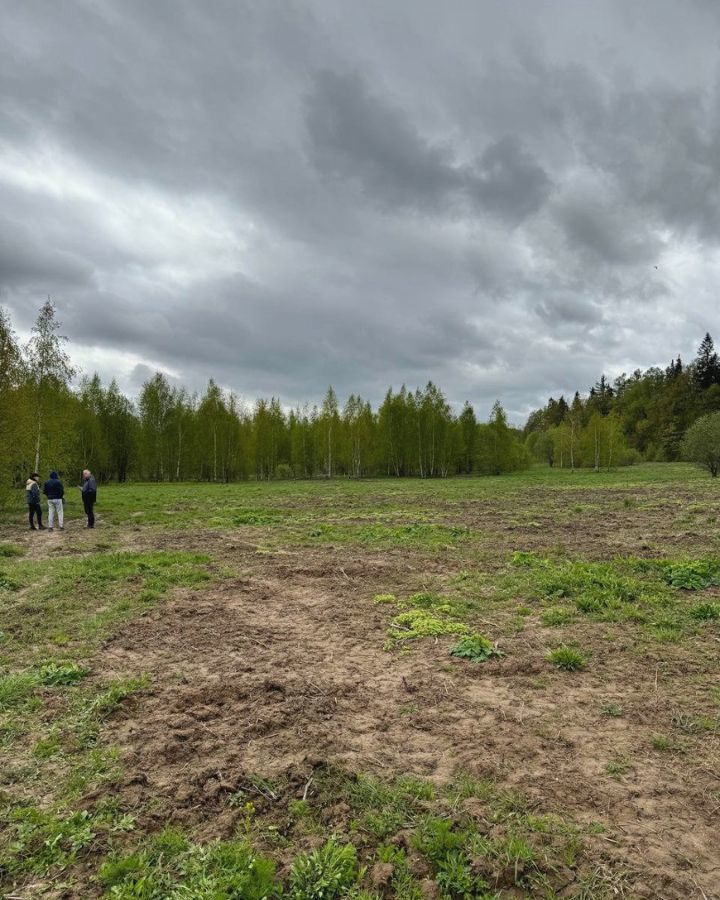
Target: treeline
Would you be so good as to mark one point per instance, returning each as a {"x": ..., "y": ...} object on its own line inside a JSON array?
[
  {"x": 643, "y": 416},
  {"x": 171, "y": 435}
]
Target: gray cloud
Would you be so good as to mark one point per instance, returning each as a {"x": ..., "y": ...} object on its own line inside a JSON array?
[
  {"x": 356, "y": 136},
  {"x": 284, "y": 195},
  {"x": 25, "y": 261}
]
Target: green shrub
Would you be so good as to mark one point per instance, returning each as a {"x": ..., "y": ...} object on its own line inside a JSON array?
[
  {"x": 325, "y": 873},
  {"x": 568, "y": 658}
]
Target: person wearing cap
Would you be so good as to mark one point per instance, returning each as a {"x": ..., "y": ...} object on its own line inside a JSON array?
[
  {"x": 89, "y": 496},
  {"x": 32, "y": 495},
  {"x": 54, "y": 491}
]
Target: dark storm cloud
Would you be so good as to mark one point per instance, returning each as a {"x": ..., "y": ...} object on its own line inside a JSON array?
[
  {"x": 284, "y": 195},
  {"x": 25, "y": 261},
  {"x": 359, "y": 137}
]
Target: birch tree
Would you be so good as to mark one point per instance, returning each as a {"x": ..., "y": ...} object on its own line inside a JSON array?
[{"x": 49, "y": 367}]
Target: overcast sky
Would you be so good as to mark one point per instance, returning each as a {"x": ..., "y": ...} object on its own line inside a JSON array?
[{"x": 508, "y": 198}]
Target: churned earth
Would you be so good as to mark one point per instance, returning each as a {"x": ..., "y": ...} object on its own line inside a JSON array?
[{"x": 290, "y": 645}]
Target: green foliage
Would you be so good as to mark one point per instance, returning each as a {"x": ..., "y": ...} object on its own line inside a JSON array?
[
  {"x": 705, "y": 611},
  {"x": 436, "y": 837},
  {"x": 16, "y": 688},
  {"x": 692, "y": 576},
  {"x": 662, "y": 743},
  {"x": 418, "y": 623},
  {"x": 654, "y": 415},
  {"x": 11, "y": 550},
  {"x": 475, "y": 647},
  {"x": 641, "y": 591},
  {"x": 569, "y": 658},
  {"x": 556, "y": 616},
  {"x": 173, "y": 869},
  {"x": 524, "y": 558},
  {"x": 701, "y": 443},
  {"x": 618, "y": 767},
  {"x": 325, "y": 873},
  {"x": 53, "y": 674},
  {"x": 44, "y": 842},
  {"x": 456, "y": 879}
]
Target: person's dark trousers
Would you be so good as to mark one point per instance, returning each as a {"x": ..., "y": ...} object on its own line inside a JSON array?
[
  {"x": 34, "y": 509},
  {"x": 88, "y": 503}
]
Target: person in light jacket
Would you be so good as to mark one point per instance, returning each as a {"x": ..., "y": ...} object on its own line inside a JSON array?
[
  {"x": 32, "y": 495},
  {"x": 89, "y": 496},
  {"x": 54, "y": 490}
]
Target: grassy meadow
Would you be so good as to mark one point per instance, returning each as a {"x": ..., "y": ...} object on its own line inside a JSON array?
[{"x": 481, "y": 687}]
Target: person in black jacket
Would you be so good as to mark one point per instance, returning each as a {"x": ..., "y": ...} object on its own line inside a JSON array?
[
  {"x": 89, "y": 496},
  {"x": 54, "y": 491},
  {"x": 32, "y": 495}
]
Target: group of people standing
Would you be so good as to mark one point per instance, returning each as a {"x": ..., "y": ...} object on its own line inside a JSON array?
[{"x": 54, "y": 490}]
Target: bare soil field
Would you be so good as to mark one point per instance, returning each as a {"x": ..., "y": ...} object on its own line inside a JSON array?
[{"x": 303, "y": 690}]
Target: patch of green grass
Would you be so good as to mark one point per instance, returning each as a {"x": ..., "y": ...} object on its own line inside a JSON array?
[
  {"x": 11, "y": 550},
  {"x": 324, "y": 874},
  {"x": 665, "y": 633},
  {"x": 45, "y": 842},
  {"x": 16, "y": 687},
  {"x": 556, "y": 616},
  {"x": 705, "y": 611},
  {"x": 172, "y": 867},
  {"x": 421, "y": 535},
  {"x": 528, "y": 559},
  {"x": 255, "y": 517},
  {"x": 88, "y": 597},
  {"x": 612, "y": 710},
  {"x": 53, "y": 620},
  {"x": 570, "y": 659},
  {"x": 435, "y": 837},
  {"x": 662, "y": 743},
  {"x": 475, "y": 647},
  {"x": 625, "y": 590},
  {"x": 384, "y": 598},
  {"x": 618, "y": 767}
]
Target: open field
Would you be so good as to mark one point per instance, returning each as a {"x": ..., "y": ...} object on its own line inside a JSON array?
[{"x": 225, "y": 691}]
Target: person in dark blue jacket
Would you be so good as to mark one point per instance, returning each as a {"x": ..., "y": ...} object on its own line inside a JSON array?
[
  {"x": 89, "y": 496},
  {"x": 54, "y": 491},
  {"x": 32, "y": 495}
]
